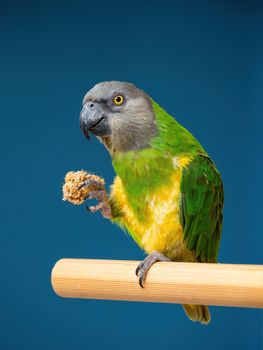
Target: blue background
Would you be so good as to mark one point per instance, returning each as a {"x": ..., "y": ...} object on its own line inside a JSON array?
[{"x": 202, "y": 61}]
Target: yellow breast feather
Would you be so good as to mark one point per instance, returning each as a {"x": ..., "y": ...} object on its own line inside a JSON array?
[{"x": 161, "y": 230}]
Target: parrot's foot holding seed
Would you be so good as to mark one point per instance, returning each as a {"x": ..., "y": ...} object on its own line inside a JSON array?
[
  {"x": 146, "y": 264},
  {"x": 101, "y": 195}
]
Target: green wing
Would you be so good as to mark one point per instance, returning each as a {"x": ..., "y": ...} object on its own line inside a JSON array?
[{"x": 201, "y": 207}]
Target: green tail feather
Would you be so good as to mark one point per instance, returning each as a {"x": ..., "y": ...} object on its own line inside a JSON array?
[{"x": 198, "y": 313}]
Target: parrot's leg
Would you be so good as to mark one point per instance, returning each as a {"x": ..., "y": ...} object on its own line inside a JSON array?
[
  {"x": 103, "y": 203},
  {"x": 147, "y": 263}
]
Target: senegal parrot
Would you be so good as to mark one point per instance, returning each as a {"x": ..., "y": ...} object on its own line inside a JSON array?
[{"x": 167, "y": 193}]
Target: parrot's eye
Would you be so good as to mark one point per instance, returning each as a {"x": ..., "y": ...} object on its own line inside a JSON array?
[{"x": 118, "y": 100}]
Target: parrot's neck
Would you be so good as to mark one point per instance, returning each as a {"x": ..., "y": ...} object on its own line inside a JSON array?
[
  {"x": 172, "y": 137},
  {"x": 146, "y": 165}
]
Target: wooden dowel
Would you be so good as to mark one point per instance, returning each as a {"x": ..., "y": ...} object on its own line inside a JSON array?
[{"x": 184, "y": 283}]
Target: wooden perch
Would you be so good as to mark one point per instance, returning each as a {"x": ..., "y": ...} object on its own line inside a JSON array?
[{"x": 184, "y": 283}]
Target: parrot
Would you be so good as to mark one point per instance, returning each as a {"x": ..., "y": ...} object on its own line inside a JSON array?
[{"x": 167, "y": 193}]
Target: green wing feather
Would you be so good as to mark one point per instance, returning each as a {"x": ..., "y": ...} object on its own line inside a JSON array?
[{"x": 201, "y": 207}]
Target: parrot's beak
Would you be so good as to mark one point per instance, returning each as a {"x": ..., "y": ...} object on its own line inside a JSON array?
[{"x": 94, "y": 119}]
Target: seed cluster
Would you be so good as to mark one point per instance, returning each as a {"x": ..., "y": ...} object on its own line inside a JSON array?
[{"x": 72, "y": 190}]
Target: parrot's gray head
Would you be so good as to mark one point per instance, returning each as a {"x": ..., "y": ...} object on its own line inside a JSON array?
[{"x": 119, "y": 114}]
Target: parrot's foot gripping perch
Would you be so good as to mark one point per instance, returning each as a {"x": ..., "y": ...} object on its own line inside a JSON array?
[
  {"x": 146, "y": 264},
  {"x": 80, "y": 186}
]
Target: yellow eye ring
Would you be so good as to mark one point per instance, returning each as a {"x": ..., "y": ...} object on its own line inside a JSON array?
[{"x": 118, "y": 100}]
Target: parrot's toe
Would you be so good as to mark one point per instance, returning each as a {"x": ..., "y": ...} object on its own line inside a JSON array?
[
  {"x": 145, "y": 265},
  {"x": 93, "y": 208},
  {"x": 97, "y": 183},
  {"x": 103, "y": 204},
  {"x": 138, "y": 269},
  {"x": 141, "y": 273}
]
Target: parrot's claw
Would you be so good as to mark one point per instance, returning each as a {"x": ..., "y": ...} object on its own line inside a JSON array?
[
  {"x": 141, "y": 281},
  {"x": 145, "y": 265},
  {"x": 94, "y": 208}
]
